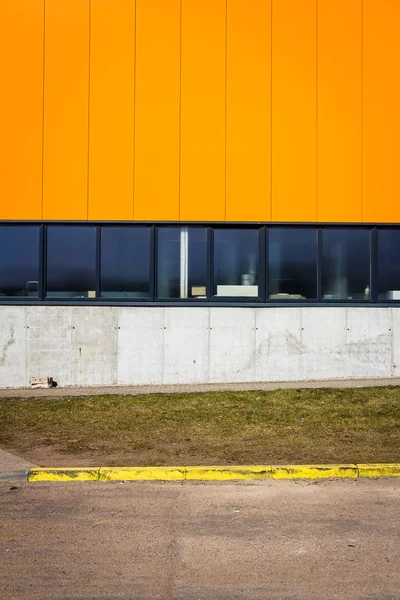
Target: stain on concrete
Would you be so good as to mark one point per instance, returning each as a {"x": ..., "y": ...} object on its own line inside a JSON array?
[
  {"x": 282, "y": 341},
  {"x": 372, "y": 352},
  {"x": 7, "y": 345}
]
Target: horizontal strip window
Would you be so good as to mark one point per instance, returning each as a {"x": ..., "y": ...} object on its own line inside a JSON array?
[
  {"x": 71, "y": 262},
  {"x": 236, "y": 263},
  {"x": 346, "y": 272},
  {"x": 292, "y": 263},
  {"x": 182, "y": 263},
  {"x": 19, "y": 261},
  {"x": 125, "y": 262},
  {"x": 199, "y": 263}
]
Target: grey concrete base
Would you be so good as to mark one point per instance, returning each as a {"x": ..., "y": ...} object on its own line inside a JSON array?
[
  {"x": 100, "y": 346},
  {"x": 13, "y": 467},
  {"x": 11, "y": 476}
]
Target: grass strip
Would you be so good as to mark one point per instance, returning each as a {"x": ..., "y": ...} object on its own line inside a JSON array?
[{"x": 301, "y": 426}]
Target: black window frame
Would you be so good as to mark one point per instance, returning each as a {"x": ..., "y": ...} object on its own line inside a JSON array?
[
  {"x": 375, "y": 261},
  {"x": 32, "y": 299},
  {"x": 166, "y": 225},
  {"x": 261, "y": 275},
  {"x": 121, "y": 299},
  {"x": 318, "y": 264},
  {"x": 372, "y": 267},
  {"x": 80, "y": 224},
  {"x": 210, "y": 300}
]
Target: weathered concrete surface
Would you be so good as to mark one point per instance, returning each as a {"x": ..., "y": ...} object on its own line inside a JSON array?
[
  {"x": 269, "y": 540},
  {"x": 232, "y": 344},
  {"x": 324, "y": 336},
  {"x": 278, "y": 345},
  {"x": 94, "y": 345},
  {"x": 189, "y": 330},
  {"x": 48, "y": 334},
  {"x": 13, "y": 347},
  {"x": 140, "y": 345},
  {"x": 369, "y": 342},
  {"x": 172, "y": 345}
]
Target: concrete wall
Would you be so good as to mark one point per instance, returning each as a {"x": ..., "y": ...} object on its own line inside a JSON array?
[{"x": 144, "y": 345}]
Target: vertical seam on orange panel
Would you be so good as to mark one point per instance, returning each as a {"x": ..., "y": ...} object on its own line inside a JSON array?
[
  {"x": 226, "y": 95},
  {"x": 271, "y": 120},
  {"x": 362, "y": 110},
  {"x": 44, "y": 63},
  {"x": 88, "y": 133},
  {"x": 134, "y": 110},
  {"x": 316, "y": 110},
  {"x": 180, "y": 110}
]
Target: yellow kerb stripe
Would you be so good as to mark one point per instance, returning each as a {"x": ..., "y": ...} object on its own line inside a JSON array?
[
  {"x": 215, "y": 473},
  {"x": 142, "y": 473},
  {"x": 68, "y": 474}
]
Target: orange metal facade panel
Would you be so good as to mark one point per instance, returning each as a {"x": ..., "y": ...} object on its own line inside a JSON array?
[
  {"x": 381, "y": 112},
  {"x": 339, "y": 97},
  {"x": 111, "y": 106},
  {"x": 66, "y": 87},
  {"x": 202, "y": 186},
  {"x": 21, "y": 108},
  {"x": 157, "y": 110},
  {"x": 294, "y": 110},
  {"x": 248, "y": 105},
  {"x": 242, "y": 113}
]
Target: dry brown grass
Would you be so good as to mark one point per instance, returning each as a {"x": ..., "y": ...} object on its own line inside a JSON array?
[{"x": 283, "y": 426}]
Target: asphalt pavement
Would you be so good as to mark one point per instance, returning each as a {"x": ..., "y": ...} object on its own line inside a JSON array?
[{"x": 276, "y": 540}]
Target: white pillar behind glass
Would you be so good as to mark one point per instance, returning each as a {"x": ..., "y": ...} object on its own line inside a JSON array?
[{"x": 184, "y": 274}]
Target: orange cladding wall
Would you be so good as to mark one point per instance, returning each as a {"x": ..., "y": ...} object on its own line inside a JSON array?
[{"x": 200, "y": 110}]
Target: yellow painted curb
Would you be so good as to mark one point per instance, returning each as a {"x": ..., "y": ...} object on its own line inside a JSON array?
[
  {"x": 216, "y": 473},
  {"x": 142, "y": 474},
  {"x": 228, "y": 473},
  {"x": 379, "y": 470},
  {"x": 74, "y": 474},
  {"x": 314, "y": 471}
]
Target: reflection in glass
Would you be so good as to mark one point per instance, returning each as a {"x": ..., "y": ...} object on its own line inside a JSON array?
[
  {"x": 182, "y": 262},
  {"x": 19, "y": 260},
  {"x": 71, "y": 261},
  {"x": 346, "y": 264},
  {"x": 236, "y": 262},
  {"x": 389, "y": 264},
  {"x": 292, "y": 260},
  {"x": 125, "y": 262}
]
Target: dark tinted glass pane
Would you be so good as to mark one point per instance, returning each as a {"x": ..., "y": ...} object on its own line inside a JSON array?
[
  {"x": 236, "y": 262},
  {"x": 125, "y": 262},
  {"x": 182, "y": 262},
  {"x": 71, "y": 261},
  {"x": 346, "y": 264},
  {"x": 19, "y": 260},
  {"x": 389, "y": 264},
  {"x": 292, "y": 263}
]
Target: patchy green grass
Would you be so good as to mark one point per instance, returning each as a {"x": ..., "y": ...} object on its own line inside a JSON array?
[{"x": 282, "y": 426}]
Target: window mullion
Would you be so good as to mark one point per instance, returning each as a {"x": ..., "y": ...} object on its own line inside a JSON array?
[
  {"x": 374, "y": 264},
  {"x": 210, "y": 263},
  {"x": 98, "y": 260},
  {"x": 319, "y": 264}
]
